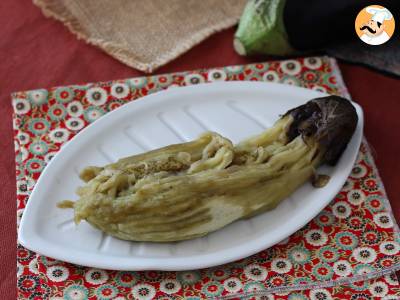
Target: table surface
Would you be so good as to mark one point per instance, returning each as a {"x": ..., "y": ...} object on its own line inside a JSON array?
[{"x": 40, "y": 53}]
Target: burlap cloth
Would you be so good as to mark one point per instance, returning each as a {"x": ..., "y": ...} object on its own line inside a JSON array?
[{"x": 144, "y": 34}]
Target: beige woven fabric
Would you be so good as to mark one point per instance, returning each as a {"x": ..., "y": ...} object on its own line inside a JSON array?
[{"x": 144, "y": 34}]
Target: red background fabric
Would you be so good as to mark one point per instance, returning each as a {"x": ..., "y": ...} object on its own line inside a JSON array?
[{"x": 39, "y": 53}]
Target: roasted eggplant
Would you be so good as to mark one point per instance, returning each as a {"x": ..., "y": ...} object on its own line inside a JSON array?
[{"x": 188, "y": 190}]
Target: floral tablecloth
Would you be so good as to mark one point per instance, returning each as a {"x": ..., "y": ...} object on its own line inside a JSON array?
[{"x": 349, "y": 251}]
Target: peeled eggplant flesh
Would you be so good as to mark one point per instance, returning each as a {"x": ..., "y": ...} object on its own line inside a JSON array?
[{"x": 188, "y": 190}]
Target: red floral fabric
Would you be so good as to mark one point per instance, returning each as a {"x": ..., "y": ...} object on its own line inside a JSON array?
[{"x": 349, "y": 251}]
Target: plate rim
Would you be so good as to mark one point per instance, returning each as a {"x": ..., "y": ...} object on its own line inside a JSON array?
[{"x": 166, "y": 263}]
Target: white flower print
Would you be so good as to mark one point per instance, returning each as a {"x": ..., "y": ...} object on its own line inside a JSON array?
[
  {"x": 313, "y": 63},
  {"x": 33, "y": 266},
  {"x": 57, "y": 273},
  {"x": 391, "y": 279},
  {"x": 232, "y": 285},
  {"x": 291, "y": 67},
  {"x": 383, "y": 220},
  {"x": 356, "y": 197},
  {"x": 96, "y": 276},
  {"x": 96, "y": 96},
  {"x": 389, "y": 248},
  {"x": 320, "y": 294},
  {"x": 359, "y": 170},
  {"x": 342, "y": 268},
  {"x": 75, "y": 109},
  {"x": 38, "y": 97},
  {"x": 193, "y": 79},
  {"x": 143, "y": 291},
  {"x": 59, "y": 135},
  {"x": 316, "y": 237},
  {"x": 74, "y": 124},
  {"x": 341, "y": 209},
  {"x": 22, "y": 187},
  {"x": 23, "y": 138},
  {"x": 255, "y": 272},
  {"x": 21, "y": 106},
  {"x": 378, "y": 289},
  {"x": 216, "y": 75},
  {"x": 271, "y": 76},
  {"x": 281, "y": 265},
  {"x": 170, "y": 286},
  {"x": 364, "y": 255},
  {"x": 120, "y": 90}
]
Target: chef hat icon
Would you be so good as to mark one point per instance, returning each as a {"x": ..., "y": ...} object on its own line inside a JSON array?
[{"x": 379, "y": 14}]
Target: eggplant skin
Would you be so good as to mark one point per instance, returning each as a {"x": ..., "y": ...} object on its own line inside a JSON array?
[{"x": 330, "y": 120}]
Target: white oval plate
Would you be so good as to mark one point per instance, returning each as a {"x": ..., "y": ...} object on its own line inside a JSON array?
[{"x": 235, "y": 110}]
